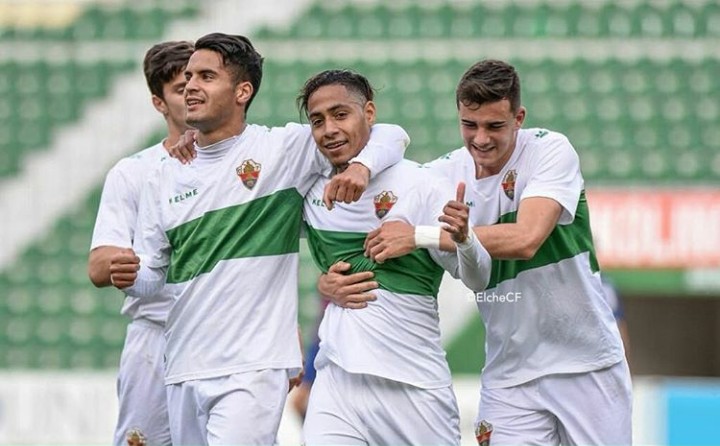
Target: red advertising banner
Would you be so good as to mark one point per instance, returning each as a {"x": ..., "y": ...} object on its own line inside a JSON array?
[{"x": 656, "y": 229}]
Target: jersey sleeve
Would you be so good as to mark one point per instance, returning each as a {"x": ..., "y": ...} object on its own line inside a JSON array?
[
  {"x": 447, "y": 165},
  {"x": 385, "y": 148},
  {"x": 151, "y": 244},
  {"x": 556, "y": 175},
  {"x": 304, "y": 161},
  {"x": 117, "y": 212}
]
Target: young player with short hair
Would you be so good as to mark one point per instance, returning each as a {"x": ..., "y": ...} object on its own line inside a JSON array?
[{"x": 141, "y": 390}]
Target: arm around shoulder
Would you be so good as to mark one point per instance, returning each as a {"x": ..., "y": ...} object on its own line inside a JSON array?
[
  {"x": 536, "y": 219},
  {"x": 385, "y": 148}
]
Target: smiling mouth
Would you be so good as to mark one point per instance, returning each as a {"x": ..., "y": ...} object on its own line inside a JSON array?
[
  {"x": 334, "y": 145},
  {"x": 193, "y": 102},
  {"x": 484, "y": 149}
]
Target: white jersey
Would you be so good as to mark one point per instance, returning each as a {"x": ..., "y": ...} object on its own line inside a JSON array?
[
  {"x": 398, "y": 335},
  {"x": 545, "y": 315},
  {"x": 117, "y": 218},
  {"x": 226, "y": 228}
]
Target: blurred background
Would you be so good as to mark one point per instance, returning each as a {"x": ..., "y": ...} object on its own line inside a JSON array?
[{"x": 634, "y": 84}]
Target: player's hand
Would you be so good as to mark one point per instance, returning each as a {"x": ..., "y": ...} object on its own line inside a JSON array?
[
  {"x": 456, "y": 215},
  {"x": 296, "y": 380},
  {"x": 347, "y": 186},
  {"x": 184, "y": 148},
  {"x": 392, "y": 239},
  {"x": 347, "y": 291},
  {"x": 124, "y": 266}
]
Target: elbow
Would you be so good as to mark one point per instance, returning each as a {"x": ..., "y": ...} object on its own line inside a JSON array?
[
  {"x": 526, "y": 252},
  {"x": 529, "y": 248}
]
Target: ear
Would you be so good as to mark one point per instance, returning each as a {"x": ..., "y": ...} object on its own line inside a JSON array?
[
  {"x": 243, "y": 92},
  {"x": 370, "y": 111},
  {"x": 159, "y": 105},
  {"x": 520, "y": 117}
]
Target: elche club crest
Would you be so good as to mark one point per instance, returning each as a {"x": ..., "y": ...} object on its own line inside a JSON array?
[
  {"x": 508, "y": 183},
  {"x": 384, "y": 201},
  {"x": 249, "y": 172}
]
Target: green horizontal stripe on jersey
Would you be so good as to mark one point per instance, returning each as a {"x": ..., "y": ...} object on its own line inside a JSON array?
[
  {"x": 266, "y": 226},
  {"x": 415, "y": 273},
  {"x": 564, "y": 242}
]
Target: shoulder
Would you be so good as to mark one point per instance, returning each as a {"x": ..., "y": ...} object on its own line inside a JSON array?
[
  {"x": 540, "y": 140},
  {"x": 541, "y": 146},
  {"x": 289, "y": 129},
  {"x": 407, "y": 170},
  {"x": 415, "y": 176},
  {"x": 144, "y": 160},
  {"x": 457, "y": 156}
]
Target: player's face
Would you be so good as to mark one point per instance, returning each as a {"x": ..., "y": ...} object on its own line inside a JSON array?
[
  {"x": 174, "y": 101},
  {"x": 340, "y": 122},
  {"x": 489, "y": 132},
  {"x": 210, "y": 93}
]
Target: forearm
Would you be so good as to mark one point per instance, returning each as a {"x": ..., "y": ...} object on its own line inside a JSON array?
[
  {"x": 502, "y": 241},
  {"x": 386, "y": 147},
  {"x": 148, "y": 283},
  {"x": 474, "y": 263}
]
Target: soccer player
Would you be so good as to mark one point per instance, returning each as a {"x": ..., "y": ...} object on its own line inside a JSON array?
[
  {"x": 382, "y": 377},
  {"x": 141, "y": 391},
  {"x": 223, "y": 233},
  {"x": 555, "y": 371}
]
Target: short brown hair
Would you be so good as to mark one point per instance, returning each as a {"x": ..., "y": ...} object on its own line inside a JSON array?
[
  {"x": 163, "y": 62},
  {"x": 239, "y": 57},
  {"x": 489, "y": 81}
]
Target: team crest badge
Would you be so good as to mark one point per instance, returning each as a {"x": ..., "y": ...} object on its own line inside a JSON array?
[
  {"x": 135, "y": 437},
  {"x": 508, "y": 183},
  {"x": 384, "y": 201},
  {"x": 249, "y": 172}
]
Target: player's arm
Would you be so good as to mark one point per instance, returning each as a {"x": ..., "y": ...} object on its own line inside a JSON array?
[
  {"x": 471, "y": 263},
  {"x": 536, "y": 218},
  {"x": 385, "y": 148},
  {"x": 347, "y": 290},
  {"x": 550, "y": 198},
  {"x": 150, "y": 255},
  {"x": 115, "y": 221},
  {"x": 296, "y": 380}
]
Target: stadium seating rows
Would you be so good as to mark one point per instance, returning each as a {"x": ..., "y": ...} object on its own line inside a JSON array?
[
  {"x": 40, "y": 96},
  {"x": 126, "y": 22},
  {"x": 506, "y": 20}
]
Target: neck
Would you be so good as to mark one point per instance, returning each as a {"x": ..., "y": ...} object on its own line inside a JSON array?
[
  {"x": 209, "y": 138},
  {"x": 173, "y": 136}
]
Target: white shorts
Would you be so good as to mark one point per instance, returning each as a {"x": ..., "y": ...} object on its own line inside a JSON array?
[
  {"x": 356, "y": 409},
  {"x": 239, "y": 409},
  {"x": 593, "y": 408},
  {"x": 140, "y": 386}
]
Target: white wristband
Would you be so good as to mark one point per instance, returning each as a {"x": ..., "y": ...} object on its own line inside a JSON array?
[{"x": 427, "y": 237}]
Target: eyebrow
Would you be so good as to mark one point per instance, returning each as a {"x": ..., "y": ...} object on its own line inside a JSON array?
[
  {"x": 205, "y": 71},
  {"x": 332, "y": 109}
]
